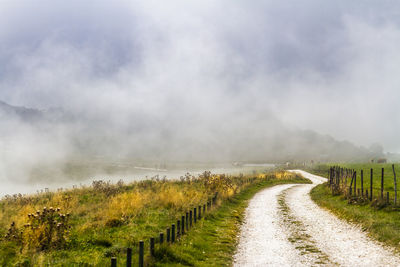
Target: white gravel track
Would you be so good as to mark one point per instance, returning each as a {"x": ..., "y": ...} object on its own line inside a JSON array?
[{"x": 264, "y": 239}]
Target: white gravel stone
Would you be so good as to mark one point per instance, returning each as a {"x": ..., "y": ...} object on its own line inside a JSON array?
[{"x": 262, "y": 239}]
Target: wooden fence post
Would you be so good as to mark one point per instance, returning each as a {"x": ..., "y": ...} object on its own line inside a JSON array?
[
  {"x": 129, "y": 257},
  {"x": 355, "y": 183},
  {"x": 341, "y": 177},
  {"x": 395, "y": 185},
  {"x": 141, "y": 253},
  {"x": 351, "y": 183},
  {"x": 370, "y": 185},
  {"x": 190, "y": 218},
  {"x": 362, "y": 182},
  {"x": 161, "y": 238},
  {"x": 113, "y": 262},
  {"x": 195, "y": 215},
  {"x": 178, "y": 228},
  {"x": 333, "y": 175},
  {"x": 204, "y": 209},
  {"x": 383, "y": 170}
]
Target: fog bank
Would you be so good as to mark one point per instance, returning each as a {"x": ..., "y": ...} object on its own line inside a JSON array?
[{"x": 207, "y": 81}]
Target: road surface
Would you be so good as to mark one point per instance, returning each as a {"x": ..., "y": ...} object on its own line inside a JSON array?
[{"x": 284, "y": 227}]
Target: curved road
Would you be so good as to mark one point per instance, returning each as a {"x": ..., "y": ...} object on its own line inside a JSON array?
[{"x": 284, "y": 227}]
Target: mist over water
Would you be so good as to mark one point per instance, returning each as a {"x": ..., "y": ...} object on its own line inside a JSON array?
[
  {"x": 126, "y": 176},
  {"x": 192, "y": 82}
]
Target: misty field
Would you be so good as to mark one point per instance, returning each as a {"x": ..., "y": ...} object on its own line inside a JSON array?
[{"x": 88, "y": 225}]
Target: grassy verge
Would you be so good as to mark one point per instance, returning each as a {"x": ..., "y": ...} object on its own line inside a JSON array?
[
  {"x": 381, "y": 224},
  {"x": 213, "y": 241}
]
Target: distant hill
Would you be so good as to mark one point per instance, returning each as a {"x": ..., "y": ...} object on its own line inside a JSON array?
[
  {"x": 22, "y": 113},
  {"x": 32, "y": 116},
  {"x": 268, "y": 139}
]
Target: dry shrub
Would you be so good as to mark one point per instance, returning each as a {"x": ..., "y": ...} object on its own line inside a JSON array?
[
  {"x": 105, "y": 187},
  {"x": 262, "y": 175},
  {"x": 44, "y": 230},
  {"x": 127, "y": 205},
  {"x": 18, "y": 199},
  {"x": 220, "y": 183},
  {"x": 171, "y": 197},
  {"x": 14, "y": 234},
  {"x": 179, "y": 197},
  {"x": 284, "y": 175},
  {"x": 65, "y": 201},
  {"x": 20, "y": 218},
  {"x": 230, "y": 192}
]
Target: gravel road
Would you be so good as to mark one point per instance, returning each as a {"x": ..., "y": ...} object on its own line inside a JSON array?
[{"x": 284, "y": 227}]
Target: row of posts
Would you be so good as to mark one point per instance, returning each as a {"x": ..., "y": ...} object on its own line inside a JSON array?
[
  {"x": 338, "y": 178},
  {"x": 172, "y": 233}
]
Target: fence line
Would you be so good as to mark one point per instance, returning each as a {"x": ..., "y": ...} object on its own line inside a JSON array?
[{"x": 338, "y": 184}]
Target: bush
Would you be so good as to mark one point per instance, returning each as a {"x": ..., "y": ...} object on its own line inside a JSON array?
[{"x": 45, "y": 229}]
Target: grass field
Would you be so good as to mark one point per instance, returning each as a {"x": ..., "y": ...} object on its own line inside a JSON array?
[
  {"x": 381, "y": 222},
  {"x": 89, "y": 225}
]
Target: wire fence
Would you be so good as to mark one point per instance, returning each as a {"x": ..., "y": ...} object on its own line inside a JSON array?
[{"x": 363, "y": 186}]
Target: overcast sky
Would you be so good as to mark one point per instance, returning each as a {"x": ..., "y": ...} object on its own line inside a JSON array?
[{"x": 329, "y": 66}]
